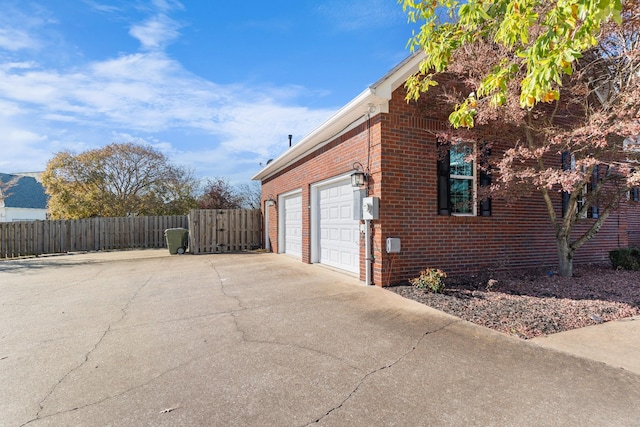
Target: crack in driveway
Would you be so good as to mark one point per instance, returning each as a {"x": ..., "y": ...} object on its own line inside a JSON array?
[
  {"x": 375, "y": 371},
  {"x": 87, "y": 355},
  {"x": 243, "y": 333},
  {"x": 122, "y": 393}
]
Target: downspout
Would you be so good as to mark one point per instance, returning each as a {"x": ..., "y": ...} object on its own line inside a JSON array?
[
  {"x": 367, "y": 251},
  {"x": 267, "y": 243},
  {"x": 367, "y": 222}
]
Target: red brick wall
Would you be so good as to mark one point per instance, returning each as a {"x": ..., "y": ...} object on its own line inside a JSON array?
[
  {"x": 632, "y": 212},
  {"x": 402, "y": 163},
  {"x": 516, "y": 236},
  {"x": 334, "y": 159}
]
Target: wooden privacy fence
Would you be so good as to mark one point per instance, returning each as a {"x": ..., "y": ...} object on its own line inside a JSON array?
[
  {"x": 91, "y": 234},
  {"x": 224, "y": 230}
]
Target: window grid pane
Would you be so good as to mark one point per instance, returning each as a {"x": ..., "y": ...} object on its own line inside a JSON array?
[
  {"x": 462, "y": 195},
  {"x": 458, "y": 165},
  {"x": 461, "y": 179}
]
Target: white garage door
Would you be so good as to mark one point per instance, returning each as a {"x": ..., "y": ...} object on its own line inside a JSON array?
[
  {"x": 338, "y": 231},
  {"x": 292, "y": 225}
]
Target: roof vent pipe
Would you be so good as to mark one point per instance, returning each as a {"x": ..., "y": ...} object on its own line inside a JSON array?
[{"x": 290, "y": 136}]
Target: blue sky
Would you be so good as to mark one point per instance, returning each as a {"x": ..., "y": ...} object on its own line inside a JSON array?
[{"x": 215, "y": 85}]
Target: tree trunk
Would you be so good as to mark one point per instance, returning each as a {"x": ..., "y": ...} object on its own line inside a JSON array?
[{"x": 565, "y": 258}]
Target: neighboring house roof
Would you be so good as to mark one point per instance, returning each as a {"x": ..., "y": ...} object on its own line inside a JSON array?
[
  {"x": 27, "y": 192},
  {"x": 375, "y": 96}
]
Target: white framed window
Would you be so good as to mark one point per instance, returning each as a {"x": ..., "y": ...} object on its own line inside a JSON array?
[
  {"x": 462, "y": 181},
  {"x": 462, "y": 171}
]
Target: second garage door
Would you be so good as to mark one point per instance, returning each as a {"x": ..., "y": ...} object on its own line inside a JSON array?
[
  {"x": 292, "y": 224},
  {"x": 338, "y": 232}
]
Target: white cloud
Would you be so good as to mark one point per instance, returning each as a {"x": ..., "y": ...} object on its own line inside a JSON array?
[
  {"x": 262, "y": 128},
  {"x": 100, "y": 7},
  {"x": 18, "y": 28},
  {"x": 167, "y": 5},
  {"x": 156, "y": 33},
  {"x": 14, "y": 39},
  {"x": 148, "y": 95},
  {"x": 151, "y": 93},
  {"x": 22, "y": 149},
  {"x": 220, "y": 130}
]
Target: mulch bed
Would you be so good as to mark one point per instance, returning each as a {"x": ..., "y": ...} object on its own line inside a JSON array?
[{"x": 534, "y": 303}]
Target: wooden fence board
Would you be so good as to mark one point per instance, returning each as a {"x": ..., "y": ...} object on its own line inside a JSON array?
[
  {"x": 210, "y": 231},
  {"x": 25, "y": 238},
  {"x": 224, "y": 230}
]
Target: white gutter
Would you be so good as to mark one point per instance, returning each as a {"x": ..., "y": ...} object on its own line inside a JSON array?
[{"x": 324, "y": 133}]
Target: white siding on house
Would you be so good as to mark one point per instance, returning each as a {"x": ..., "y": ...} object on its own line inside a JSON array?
[{"x": 21, "y": 214}]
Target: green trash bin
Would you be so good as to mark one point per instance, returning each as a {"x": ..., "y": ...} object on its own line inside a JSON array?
[{"x": 177, "y": 240}]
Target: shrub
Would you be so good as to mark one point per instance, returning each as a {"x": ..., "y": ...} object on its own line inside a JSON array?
[
  {"x": 430, "y": 279},
  {"x": 625, "y": 258}
]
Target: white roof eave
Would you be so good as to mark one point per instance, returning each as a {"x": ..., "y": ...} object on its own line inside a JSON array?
[{"x": 377, "y": 95}]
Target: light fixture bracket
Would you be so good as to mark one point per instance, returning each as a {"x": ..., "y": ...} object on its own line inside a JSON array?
[{"x": 359, "y": 177}]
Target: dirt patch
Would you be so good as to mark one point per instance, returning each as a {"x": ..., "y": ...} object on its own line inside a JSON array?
[{"x": 533, "y": 303}]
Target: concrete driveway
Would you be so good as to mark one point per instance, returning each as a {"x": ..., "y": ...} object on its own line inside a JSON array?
[{"x": 142, "y": 338}]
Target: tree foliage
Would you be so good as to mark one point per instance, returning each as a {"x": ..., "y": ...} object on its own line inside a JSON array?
[
  {"x": 539, "y": 42},
  {"x": 218, "y": 193},
  {"x": 561, "y": 78},
  {"x": 117, "y": 180},
  {"x": 251, "y": 195}
]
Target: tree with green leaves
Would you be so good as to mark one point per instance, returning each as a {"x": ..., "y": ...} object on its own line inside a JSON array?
[
  {"x": 562, "y": 78},
  {"x": 117, "y": 180}
]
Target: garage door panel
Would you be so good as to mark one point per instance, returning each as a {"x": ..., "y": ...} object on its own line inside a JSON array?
[
  {"x": 338, "y": 231},
  {"x": 333, "y": 213},
  {"x": 293, "y": 225}
]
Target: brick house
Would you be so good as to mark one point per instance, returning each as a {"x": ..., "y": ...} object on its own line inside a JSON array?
[{"x": 427, "y": 204}]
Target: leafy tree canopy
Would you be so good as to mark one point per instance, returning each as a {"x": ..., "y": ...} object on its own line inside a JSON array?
[
  {"x": 117, "y": 180},
  {"x": 538, "y": 41}
]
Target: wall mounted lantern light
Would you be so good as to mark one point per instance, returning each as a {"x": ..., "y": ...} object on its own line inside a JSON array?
[
  {"x": 359, "y": 177},
  {"x": 271, "y": 200}
]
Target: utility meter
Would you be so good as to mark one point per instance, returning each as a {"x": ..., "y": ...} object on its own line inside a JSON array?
[
  {"x": 393, "y": 245},
  {"x": 370, "y": 207}
]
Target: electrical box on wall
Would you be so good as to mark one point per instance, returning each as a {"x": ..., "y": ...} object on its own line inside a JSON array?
[
  {"x": 370, "y": 207},
  {"x": 393, "y": 245}
]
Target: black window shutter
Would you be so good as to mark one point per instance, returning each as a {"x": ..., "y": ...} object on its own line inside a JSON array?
[
  {"x": 444, "y": 184},
  {"x": 485, "y": 204},
  {"x": 594, "y": 212},
  {"x": 566, "y": 165},
  {"x": 485, "y": 179},
  {"x": 636, "y": 194}
]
